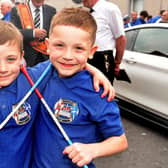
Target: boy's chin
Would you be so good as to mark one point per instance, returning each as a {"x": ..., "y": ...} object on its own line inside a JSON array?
[
  {"x": 67, "y": 74},
  {"x": 2, "y": 85},
  {"x": 6, "y": 83}
]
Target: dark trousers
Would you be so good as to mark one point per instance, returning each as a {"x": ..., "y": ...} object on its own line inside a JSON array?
[{"x": 104, "y": 61}]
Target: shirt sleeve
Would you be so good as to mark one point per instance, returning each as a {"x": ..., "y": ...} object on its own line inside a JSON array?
[
  {"x": 116, "y": 22},
  {"x": 107, "y": 116}
]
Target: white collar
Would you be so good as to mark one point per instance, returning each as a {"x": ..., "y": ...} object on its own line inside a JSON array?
[
  {"x": 97, "y": 4},
  {"x": 32, "y": 7}
]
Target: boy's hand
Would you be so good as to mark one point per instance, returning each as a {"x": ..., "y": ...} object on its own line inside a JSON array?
[
  {"x": 100, "y": 79},
  {"x": 81, "y": 154}
]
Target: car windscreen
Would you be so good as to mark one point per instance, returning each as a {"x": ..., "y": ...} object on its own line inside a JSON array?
[{"x": 152, "y": 41}]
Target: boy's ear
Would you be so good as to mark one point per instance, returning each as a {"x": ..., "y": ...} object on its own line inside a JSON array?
[
  {"x": 22, "y": 54},
  {"x": 93, "y": 50},
  {"x": 47, "y": 43},
  {"x": 22, "y": 58}
]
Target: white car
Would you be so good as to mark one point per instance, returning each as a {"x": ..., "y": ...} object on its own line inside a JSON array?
[{"x": 146, "y": 63}]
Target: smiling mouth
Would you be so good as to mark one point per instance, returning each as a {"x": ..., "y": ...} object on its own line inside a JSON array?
[
  {"x": 3, "y": 77},
  {"x": 67, "y": 65}
]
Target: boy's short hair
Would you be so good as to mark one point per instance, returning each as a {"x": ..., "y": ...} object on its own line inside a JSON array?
[
  {"x": 144, "y": 13},
  {"x": 76, "y": 17},
  {"x": 9, "y": 33}
]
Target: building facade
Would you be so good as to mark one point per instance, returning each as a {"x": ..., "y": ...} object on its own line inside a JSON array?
[
  {"x": 126, "y": 6},
  {"x": 152, "y": 6}
]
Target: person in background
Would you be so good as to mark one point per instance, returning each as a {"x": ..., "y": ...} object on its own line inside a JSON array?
[
  {"x": 6, "y": 7},
  {"x": 92, "y": 123},
  {"x": 141, "y": 20},
  {"x": 143, "y": 16},
  {"x": 134, "y": 18},
  {"x": 33, "y": 20},
  {"x": 110, "y": 36},
  {"x": 156, "y": 19},
  {"x": 148, "y": 18},
  {"x": 164, "y": 17},
  {"x": 126, "y": 21}
]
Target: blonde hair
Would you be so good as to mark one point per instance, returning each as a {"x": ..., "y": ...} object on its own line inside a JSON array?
[
  {"x": 76, "y": 17},
  {"x": 9, "y": 33}
]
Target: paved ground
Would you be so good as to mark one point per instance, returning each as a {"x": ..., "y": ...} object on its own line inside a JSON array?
[{"x": 148, "y": 148}]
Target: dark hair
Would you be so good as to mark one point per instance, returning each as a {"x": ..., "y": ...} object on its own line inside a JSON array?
[
  {"x": 162, "y": 11},
  {"x": 149, "y": 17},
  {"x": 144, "y": 13}
]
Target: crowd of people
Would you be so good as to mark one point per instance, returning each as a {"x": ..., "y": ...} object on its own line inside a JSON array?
[{"x": 144, "y": 18}]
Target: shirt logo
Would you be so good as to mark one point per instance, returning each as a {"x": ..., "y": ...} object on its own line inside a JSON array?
[
  {"x": 66, "y": 110},
  {"x": 23, "y": 114}
]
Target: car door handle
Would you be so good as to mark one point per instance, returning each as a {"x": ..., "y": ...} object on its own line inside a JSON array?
[{"x": 130, "y": 61}]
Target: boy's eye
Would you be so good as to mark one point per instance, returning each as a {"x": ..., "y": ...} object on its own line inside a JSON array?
[
  {"x": 79, "y": 48},
  {"x": 11, "y": 59},
  {"x": 58, "y": 45}
]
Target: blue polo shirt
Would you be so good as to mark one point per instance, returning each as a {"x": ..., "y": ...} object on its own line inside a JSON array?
[
  {"x": 7, "y": 17},
  {"x": 139, "y": 21},
  {"x": 154, "y": 19},
  {"x": 16, "y": 136},
  {"x": 83, "y": 114}
]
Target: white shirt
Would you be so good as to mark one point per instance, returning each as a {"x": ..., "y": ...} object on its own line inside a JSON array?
[
  {"x": 110, "y": 24},
  {"x": 33, "y": 8},
  {"x": 159, "y": 20}
]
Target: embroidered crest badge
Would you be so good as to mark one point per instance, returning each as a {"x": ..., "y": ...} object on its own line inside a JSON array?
[
  {"x": 23, "y": 114},
  {"x": 66, "y": 110}
]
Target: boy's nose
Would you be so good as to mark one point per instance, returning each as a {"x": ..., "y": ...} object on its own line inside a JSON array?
[
  {"x": 68, "y": 54},
  {"x": 3, "y": 67}
]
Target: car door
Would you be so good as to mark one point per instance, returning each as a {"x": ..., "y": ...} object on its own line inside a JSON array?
[{"x": 147, "y": 67}]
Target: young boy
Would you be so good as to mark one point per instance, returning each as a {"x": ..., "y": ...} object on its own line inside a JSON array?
[
  {"x": 16, "y": 135},
  {"x": 86, "y": 118}
]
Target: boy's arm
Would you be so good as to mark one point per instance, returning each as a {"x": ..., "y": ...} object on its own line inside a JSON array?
[
  {"x": 100, "y": 79},
  {"x": 82, "y": 154}
]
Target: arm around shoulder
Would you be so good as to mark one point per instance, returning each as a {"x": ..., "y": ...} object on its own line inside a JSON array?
[{"x": 100, "y": 79}]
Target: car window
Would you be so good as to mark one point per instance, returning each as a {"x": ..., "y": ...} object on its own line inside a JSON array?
[
  {"x": 130, "y": 36},
  {"x": 152, "y": 41}
]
